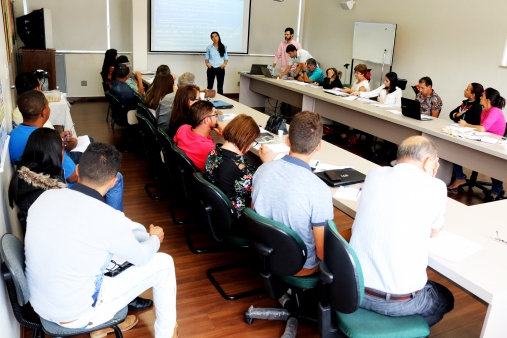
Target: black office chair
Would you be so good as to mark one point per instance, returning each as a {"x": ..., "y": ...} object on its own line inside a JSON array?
[
  {"x": 281, "y": 253},
  {"x": 224, "y": 227},
  {"x": 13, "y": 273},
  {"x": 146, "y": 112},
  {"x": 343, "y": 292},
  {"x": 151, "y": 148},
  {"x": 105, "y": 87},
  {"x": 118, "y": 111},
  {"x": 185, "y": 171}
]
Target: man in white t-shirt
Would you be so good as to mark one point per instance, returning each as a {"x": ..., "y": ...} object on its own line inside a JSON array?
[
  {"x": 391, "y": 235},
  {"x": 298, "y": 57}
]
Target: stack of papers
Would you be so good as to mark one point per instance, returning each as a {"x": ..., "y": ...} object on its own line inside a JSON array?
[
  {"x": 347, "y": 193},
  {"x": 381, "y": 105},
  {"x": 350, "y": 98},
  {"x": 469, "y": 133},
  {"x": 228, "y": 116},
  {"x": 452, "y": 247},
  {"x": 394, "y": 111},
  {"x": 82, "y": 143}
]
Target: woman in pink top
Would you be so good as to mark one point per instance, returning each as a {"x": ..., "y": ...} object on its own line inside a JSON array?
[{"x": 493, "y": 121}]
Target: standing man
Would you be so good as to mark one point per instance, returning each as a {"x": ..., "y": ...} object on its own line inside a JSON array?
[
  {"x": 391, "y": 234},
  {"x": 431, "y": 103},
  {"x": 282, "y": 54}
]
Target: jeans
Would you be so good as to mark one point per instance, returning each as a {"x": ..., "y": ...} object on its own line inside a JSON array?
[
  {"x": 114, "y": 197},
  {"x": 432, "y": 302},
  {"x": 117, "y": 292},
  {"x": 220, "y": 74},
  {"x": 458, "y": 172}
]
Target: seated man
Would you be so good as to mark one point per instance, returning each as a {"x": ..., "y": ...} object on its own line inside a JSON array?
[
  {"x": 120, "y": 89},
  {"x": 431, "y": 103},
  {"x": 25, "y": 82},
  {"x": 313, "y": 72},
  {"x": 67, "y": 283},
  {"x": 288, "y": 192},
  {"x": 401, "y": 207},
  {"x": 135, "y": 79},
  {"x": 195, "y": 140},
  {"x": 165, "y": 108},
  {"x": 299, "y": 57},
  {"x": 35, "y": 110}
]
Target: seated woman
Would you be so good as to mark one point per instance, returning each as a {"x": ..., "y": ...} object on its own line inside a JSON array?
[
  {"x": 493, "y": 121},
  {"x": 40, "y": 169},
  {"x": 388, "y": 93},
  {"x": 108, "y": 66},
  {"x": 470, "y": 110},
  {"x": 362, "y": 84},
  {"x": 162, "y": 85},
  {"x": 227, "y": 168},
  {"x": 185, "y": 97},
  {"x": 332, "y": 79}
]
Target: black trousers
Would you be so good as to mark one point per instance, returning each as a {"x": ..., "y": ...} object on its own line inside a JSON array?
[{"x": 220, "y": 74}]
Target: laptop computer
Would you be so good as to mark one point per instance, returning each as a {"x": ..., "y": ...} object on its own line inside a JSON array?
[
  {"x": 219, "y": 104},
  {"x": 339, "y": 177},
  {"x": 266, "y": 72},
  {"x": 256, "y": 69},
  {"x": 412, "y": 108}
]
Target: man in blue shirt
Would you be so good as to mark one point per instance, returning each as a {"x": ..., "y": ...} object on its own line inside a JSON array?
[
  {"x": 313, "y": 72},
  {"x": 34, "y": 107},
  {"x": 120, "y": 89}
]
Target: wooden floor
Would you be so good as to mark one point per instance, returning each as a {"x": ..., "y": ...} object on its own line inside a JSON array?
[{"x": 202, "y": 312}]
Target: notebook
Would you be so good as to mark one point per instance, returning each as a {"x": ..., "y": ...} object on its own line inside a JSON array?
[{"x": 219, "y": 104}]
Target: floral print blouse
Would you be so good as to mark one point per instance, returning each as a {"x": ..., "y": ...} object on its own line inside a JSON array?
[{"x": 223, "y": 170}]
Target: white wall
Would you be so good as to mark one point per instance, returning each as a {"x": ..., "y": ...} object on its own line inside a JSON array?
[{"x": 453, "y": 42}]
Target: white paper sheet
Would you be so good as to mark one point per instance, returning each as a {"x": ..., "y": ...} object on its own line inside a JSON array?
[
  {"x": 489, "y": 140},
  {"x": 82, "y": 143},
  {"x": 280, "y": 156},
  {"x": 350, "y": 98},
  {"x": 394, "y": 111},
  {"x": 452, "y": 247},
  {"x": 324, "y": 166},
  {"x": 347, "y": 193},
  {"x": 229, "y": 116},
  {"x": 276, "y": 148},
  {"x": 381, "y": 105}
]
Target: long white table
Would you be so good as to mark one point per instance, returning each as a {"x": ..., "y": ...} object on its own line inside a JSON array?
[
  {"x": 482, "y": 274},
  {"x": 489, "y": 159},
  {"x": 60, "y": 114}
]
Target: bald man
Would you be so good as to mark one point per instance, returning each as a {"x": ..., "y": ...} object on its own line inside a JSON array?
[{"x": 400, "y": 209}]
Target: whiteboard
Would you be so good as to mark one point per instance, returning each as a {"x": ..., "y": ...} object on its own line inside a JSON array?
[{"x": 370, "y": 41}]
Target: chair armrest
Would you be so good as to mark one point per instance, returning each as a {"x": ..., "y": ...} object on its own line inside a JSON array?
[
  {"x": 262, "y": 249},
  {"x": 324, "y": 274}
]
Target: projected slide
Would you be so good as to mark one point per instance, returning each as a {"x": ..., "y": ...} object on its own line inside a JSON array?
[{"x": 186, "y": 25}]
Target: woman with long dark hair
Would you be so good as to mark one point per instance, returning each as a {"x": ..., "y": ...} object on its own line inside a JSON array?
[
  {"x": 108, "y": 66},
  {"x": 388, "y": 93},
  {"x": 493, "y": 121},
  {"x": 40, "y": 169},
  {"x": 162, "y": 85},
  {"x": 185, "y": 97},
  {"x": 470, "y": 109},
  {"x": 216, "y": 59}
]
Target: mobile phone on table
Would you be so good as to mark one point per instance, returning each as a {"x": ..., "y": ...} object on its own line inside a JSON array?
[{"x": 333, "y": 176}]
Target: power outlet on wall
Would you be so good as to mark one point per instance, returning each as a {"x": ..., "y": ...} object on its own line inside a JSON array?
[{"x": 84, "y": 83}]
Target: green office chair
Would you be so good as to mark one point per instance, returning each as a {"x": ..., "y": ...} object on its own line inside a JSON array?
[
  {"x": 343, "y": 292},
  {"x": 13, "y": 273},
  {"x": 225, "y": 229},
  {"x": 146, "y": 112},
  {"x": 281, "y": 253}
]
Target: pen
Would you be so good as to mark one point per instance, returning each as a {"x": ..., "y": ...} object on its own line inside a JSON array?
[{"x": 360, "y": 189}]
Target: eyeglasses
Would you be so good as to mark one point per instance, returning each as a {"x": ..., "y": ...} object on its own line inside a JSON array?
[
  {"x": 204, "y": 118},
  {"x": 499, "y": 239}
]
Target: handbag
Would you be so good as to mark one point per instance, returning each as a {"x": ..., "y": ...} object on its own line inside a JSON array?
[
  {"x": 276, "y": 123},
  {"x": 210, "y": 93}
]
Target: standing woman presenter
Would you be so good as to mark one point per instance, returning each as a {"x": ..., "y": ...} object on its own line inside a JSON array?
[{"x": 216, "y": 59}]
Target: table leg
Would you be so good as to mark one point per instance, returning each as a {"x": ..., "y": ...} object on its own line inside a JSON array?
[
  {"x": 445, "y": 171},
  {"x": 248, "y": 97},
  {"x": 495, "y": 324}
]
